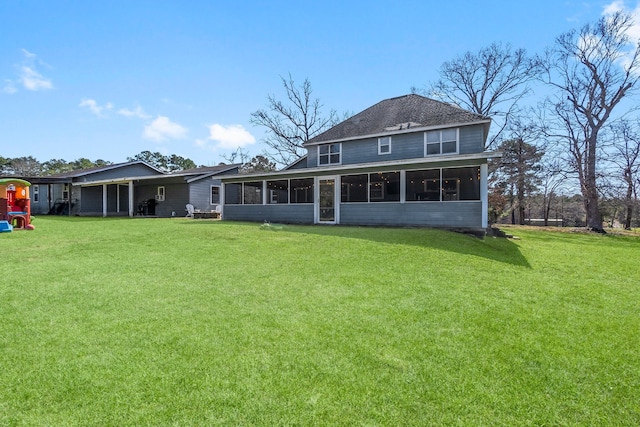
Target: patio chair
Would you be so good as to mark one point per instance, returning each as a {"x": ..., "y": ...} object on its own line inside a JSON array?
[{"x": 190, "y": 210}]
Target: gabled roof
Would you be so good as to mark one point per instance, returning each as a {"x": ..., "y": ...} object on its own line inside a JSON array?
[
  {"x": 89, "y": 171},
  {"x": 398, "y": 114},
  {"x": 207, "y": 169}
]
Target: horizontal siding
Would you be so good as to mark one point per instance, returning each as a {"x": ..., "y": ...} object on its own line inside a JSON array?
[
  {"x": 291, "y": 214},
  {"x": 423, "y": 214},
  {"x": 420, "y": 214},
  {"x": 403, "y": 146},
  {"x": 471, "y": 139}
]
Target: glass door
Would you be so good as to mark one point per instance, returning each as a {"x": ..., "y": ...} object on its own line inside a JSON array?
[{"x": 327, "y": 206}]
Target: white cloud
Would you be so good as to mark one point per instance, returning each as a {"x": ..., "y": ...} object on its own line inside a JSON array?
[
  {"x": 93, "y": 106},
  {"x": 30, "y": 78},
  {"x": 137, "y": 112},
  {"x": 163, "y": 129},
  {"x": 619, "y": 6},
  {"x": 229, "y": 137}
]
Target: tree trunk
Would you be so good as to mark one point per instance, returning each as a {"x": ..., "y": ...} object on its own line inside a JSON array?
[
  {"x": 629, "y": 202},
  {"x": 590, "y": 189}
]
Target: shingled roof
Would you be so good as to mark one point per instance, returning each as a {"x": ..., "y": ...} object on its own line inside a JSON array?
[{"x": 396, "y": 114}]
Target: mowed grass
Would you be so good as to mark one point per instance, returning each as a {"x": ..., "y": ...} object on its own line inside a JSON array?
[{"x": 159, "y": 322}]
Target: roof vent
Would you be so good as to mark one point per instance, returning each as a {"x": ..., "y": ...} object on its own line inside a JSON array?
[{"x": 402, "y": 126}]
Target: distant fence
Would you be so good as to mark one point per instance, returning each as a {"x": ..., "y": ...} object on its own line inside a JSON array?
[{"x": 551, "y": 222}]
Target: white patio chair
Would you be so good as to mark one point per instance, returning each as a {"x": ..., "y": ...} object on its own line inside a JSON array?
[{"x": 190, "y": 210}]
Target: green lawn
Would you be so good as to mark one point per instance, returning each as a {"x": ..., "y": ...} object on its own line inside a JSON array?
[{"x": 174, "y": 322}]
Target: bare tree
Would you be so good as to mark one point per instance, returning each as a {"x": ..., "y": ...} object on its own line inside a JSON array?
[
  {"x": 489, "y": 82},
  {"x": 590, "y": 72},
  {"x": 626, "y": 158},
  {"x": 293, "y": 122},
  {"x": 239, "y": 155}
]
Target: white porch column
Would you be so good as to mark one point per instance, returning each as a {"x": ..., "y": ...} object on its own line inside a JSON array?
[
  {"x": 484, "y": 194},
  {"x": 131, "y": 211},
  {"x": 104, "y": 200},
  {"x": 118, "y": 198}
]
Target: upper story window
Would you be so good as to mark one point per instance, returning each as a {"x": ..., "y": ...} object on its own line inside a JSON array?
[
  {"x": 384, "y": 145},
  {"x": 329, "y": 154},
  {"x": 441, "y": 142}
]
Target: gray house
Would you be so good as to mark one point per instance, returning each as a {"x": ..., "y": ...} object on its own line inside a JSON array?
[
  {"x": 406, "y": 161},
  {"x": 128, "y": 189},
  {"x": 158, "y": 194},
  {"x": 63, "y": 193}
]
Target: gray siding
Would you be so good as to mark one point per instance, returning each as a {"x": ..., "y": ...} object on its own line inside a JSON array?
[
  {"x": 471, "y": 139},
  {"x": 200, "y": 193},
  {"x": 403, "y": 146},
  {"x": 466, "y": 214},
  {"x": 293, "y": 213},
  {"x": 42, "y": 207}
]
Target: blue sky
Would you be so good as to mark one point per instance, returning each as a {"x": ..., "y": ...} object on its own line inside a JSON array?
[{"x": 109, "y": 79}]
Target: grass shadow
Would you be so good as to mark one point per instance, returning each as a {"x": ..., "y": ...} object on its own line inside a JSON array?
[{"x": 496, "y": 249}]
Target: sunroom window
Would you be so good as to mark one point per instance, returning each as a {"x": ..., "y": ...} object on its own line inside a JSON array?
[{"x": 329, "y": 154}]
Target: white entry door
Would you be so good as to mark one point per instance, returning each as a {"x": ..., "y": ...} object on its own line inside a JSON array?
[{"x": 327, "y": 203}]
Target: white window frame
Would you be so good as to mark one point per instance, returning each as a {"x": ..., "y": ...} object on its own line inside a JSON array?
[
  {"x": 35, "y": 193},
  {"x": 65, "y": 192},
  {"x": 211, "y": 195},
  {"x": 160, "y": 193},
  {"x": 384, "y": 141},
  {"x": 440, "y": 153},
  {"x": 329, "y": 154}
]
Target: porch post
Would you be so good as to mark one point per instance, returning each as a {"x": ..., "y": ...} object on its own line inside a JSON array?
[
  {"x": 484, "y": 194},
  {"x": 118, "y": 198},
  {"x": 131, "y": 198},
  {"x": 104, "y": 200}
]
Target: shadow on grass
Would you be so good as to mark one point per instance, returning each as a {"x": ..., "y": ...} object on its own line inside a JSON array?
[{"x": 495, "y": 249}]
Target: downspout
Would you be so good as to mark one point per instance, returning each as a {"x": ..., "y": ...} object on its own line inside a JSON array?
[
  {"x": 131, "y": 198},
  {"x": 484, "y": 194},
  {"x": 104, "y": 200}
]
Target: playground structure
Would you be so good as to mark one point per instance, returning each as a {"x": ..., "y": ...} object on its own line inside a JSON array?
[{"x": 15, "y": 205}]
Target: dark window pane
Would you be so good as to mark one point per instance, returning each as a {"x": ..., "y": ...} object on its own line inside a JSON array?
[
  {"x": 233, "y": 194},
  {"x": 278, "y": 191},
  {"x": 461, "y": 183},
  {"x": 252, "y": 193},
  {"x": 384, "y": 187},
  {"x": 301, "y": 190},
  {"x": 433, "y": 149},
  {"x": 423, "y": 185},
  {"x": 354, "y": 188}
]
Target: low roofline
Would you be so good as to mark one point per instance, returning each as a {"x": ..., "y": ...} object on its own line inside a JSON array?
[
  {"x": 126, "y": 180},
  {"x": 91, "y": 171},
  {"x": 330, "y": 170},
  {"x": 398, "y": 132}
]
